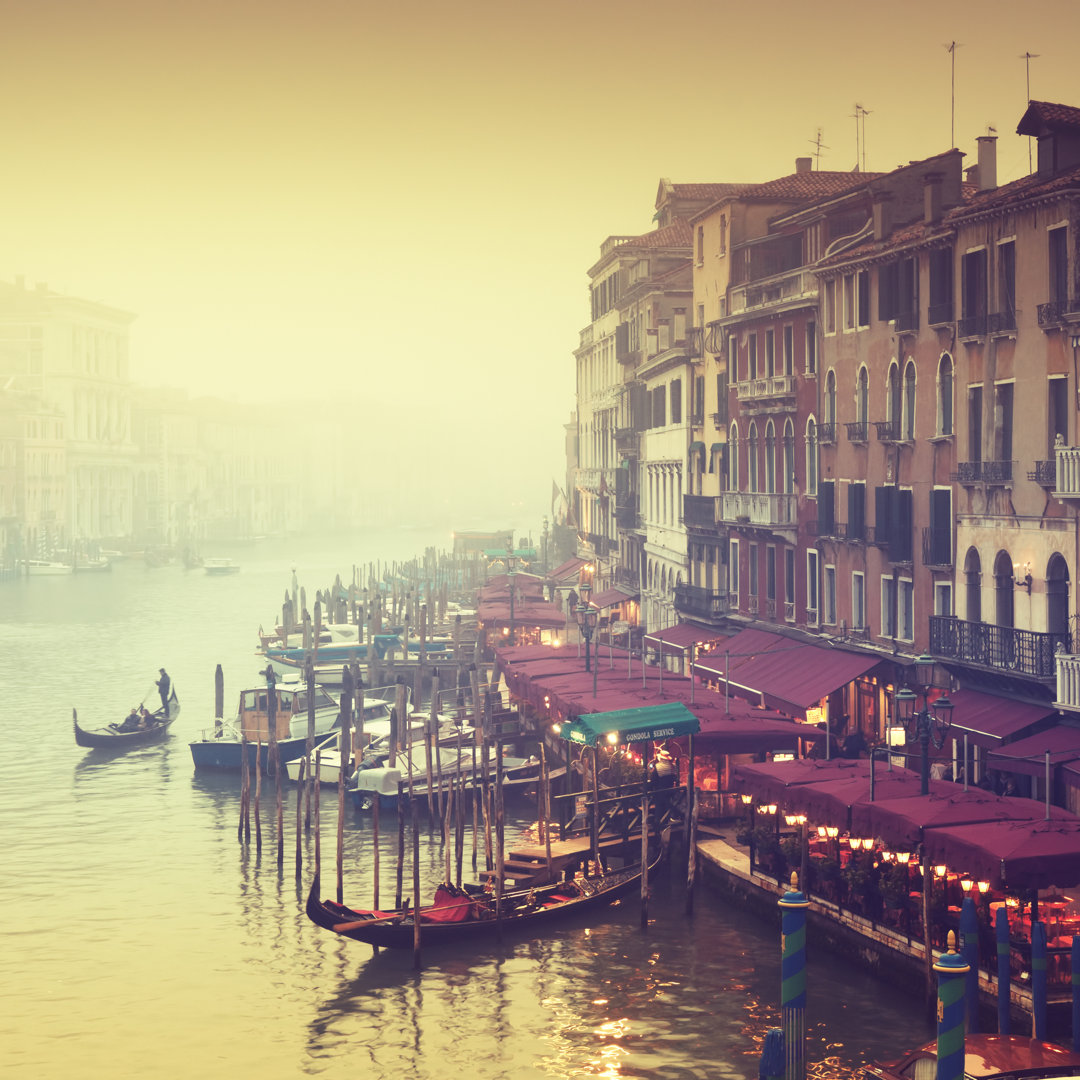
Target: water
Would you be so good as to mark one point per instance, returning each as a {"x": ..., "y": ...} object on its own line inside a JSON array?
[{"x": 138, "y": 937}]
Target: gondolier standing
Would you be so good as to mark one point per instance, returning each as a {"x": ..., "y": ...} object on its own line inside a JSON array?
[{"x": 163, "y": 686}]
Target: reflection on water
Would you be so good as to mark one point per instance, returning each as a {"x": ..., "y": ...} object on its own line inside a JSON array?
[{"x": 146, "y": 940}]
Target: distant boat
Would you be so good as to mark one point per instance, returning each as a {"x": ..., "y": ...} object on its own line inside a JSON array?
[
  {"x": 219, "y": 567},
  {"x": 41, "y": 567},
  {"x": 90, "y": 566}
]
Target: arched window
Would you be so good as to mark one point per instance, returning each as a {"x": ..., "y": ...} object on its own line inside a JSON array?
[
  {"x": 973, "y": 586},
  {"x": 811, "y": 456},
  {"x": 752, "y": 459},
  {"x": 789, "y": 457},
  {"x": 1004, "y": 590},
  {"x": 945, "y": 395},
  {"x": 830, "y": 398},
  {"x": 892, "y": 398},
  {"x": 909, "y": 401},
  {"x": 1057, "y": 599},
  {"x": 733, "y": 458},
  {"x": 862, "y": 399},
  {"x": 770, "y": 458}
]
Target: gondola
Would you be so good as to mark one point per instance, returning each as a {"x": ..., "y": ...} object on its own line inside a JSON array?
[
  {"x": 457, "y": 914},
  {"x": 114, "y": 738}
]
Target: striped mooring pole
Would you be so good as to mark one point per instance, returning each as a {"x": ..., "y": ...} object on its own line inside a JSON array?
[
  {"x": 951, "y": 969},
  {"x": 1074, "y": 958},
  {"x": 1038, "y": 979},
  {"x": 969, "y": 950},
  {"x": 1004, "y": 978},
  {"x": 793, "y": 905}
]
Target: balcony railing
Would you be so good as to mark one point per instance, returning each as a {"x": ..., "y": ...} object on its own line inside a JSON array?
[
  {"x": 700, "y": 603},
  {"x": 1068, "y": 472},
  {"x": 759, "y": 508},
  {"x": 752, "y": 605},
  {"x": 794, "y": 285},
  {"x": 789, "y": 611},
  {"x": 699, "y": 511},
  {"x": 972, "y": 326},
  {"x": 887, "y": 430},
  {"x": 983, "y": 472},
  {"x": 1003, "y": 322},
  {"x": 1054, "y": 314},
  {"x": 1044, "y": 473},
  {"x": 858, "y": 431},
  {"x": 695, "y": 342},
  {"x": 719, "y": 419},
  {"x": 765, "y": 387},
  {"x": 1003, "y": 648},
  {"x": 626, "y": 515},
  {"x": 1068, "y": 681},
  {"x": 937, "y": 547},
  {"x": 714, "y": 338},
  {"x": 853, "y": 531},
  {"x": 940, "y": 314},
  {"x": 826, "y": 434},
  {"x": 907, "y": 320}
]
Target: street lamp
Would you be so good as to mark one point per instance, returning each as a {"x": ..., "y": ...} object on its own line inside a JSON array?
[
  {"x": 545, "y": 562},
  {"x": 510, "y": 573},
  {"x": 927, "y": 724},
  {"x": 586, "y": 618}
]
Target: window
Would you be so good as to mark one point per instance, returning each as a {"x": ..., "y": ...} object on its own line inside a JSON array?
[
  {"x": 676, "y": 401},
  {"x": 893, "y": 401},
  {"x": 700, "y": 244},
  {"x": 770, "y": 575},
  {"x": 945, "y": 395},
  {"x": 751, "y": 357},
  {"x": 789, "y": 350},
  {"x": 829, "y": 615},
  {"x": 906, "y": 611},
  {"x": 733, "y": 458},
  {"x": 975, "y": 424},
  {"x": 723, "y": 234},
  {"x": 721, "y": 398},
  {"x": 789, "y": 584},
  {"x": 770, "y": 353},
  {"x": 1007, "y": 283},
  {"x": 1057, "y": 413},
  {"x": 862, "y": 398},
  {"x": 752, "y": 567},
  {"x": 941, "y": 287},
  {"x": 943, "y": 598},
  {"x": 909, "y": 401},
  {"x": 1059, "y": 265},
  {"x": 811, "y": 348},
  {"x": 830, "y": 398},
  {"x": 789, "y": 457},
  {"x": 699, "y": 399},
  {"x": 973, "y": 284},
  {"x": 888, "y": 607},
  {"x": 856, "y": 510},
  {"x": 812, "y": 572},
  {"x": 811, "y": 456},
  {"x": 849, "y": 302},
  {"x": 858, "y": 601},
  {"x": 659, "y": 395},
  {"x": 862, "y": 293},
  {"x": 830, "y": 306},
  {"x": 770, "y": 458},
  {"x": 752, "y": 458},
  {"x": 826, "y": 508},
  {"x": 733, "y": 570},
  {"x": 941, "y": 521},
  {"x": 1003, "y": 421}
]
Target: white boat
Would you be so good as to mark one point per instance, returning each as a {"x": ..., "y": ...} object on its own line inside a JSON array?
[
  {"x": 219, "y": 567},
  {"x": 43, "y": 567}
]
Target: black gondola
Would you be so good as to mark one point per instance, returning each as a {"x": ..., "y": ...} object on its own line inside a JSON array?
[
  {"x": 457, "y": 914},
  {"x": 117, "y": 737}
]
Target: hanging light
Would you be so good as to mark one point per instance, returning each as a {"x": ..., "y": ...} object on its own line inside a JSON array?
[
  {"x": 822, "y": 832},
  {"x": 832, "y": 831},
  {"x": 790, "y": 819},
  {"x": 800, "y": 819},
  {"x": 886, "y": 856},
  {"x": 984, "y": 887},
  {"x": 868, "y": 843},
  {"x": 902, "y": 857},
  {"x": 746, "y": 799},
  {"x": 965, "y": 884},
  {"x": 771, "y": 808},
  {"x": 940, "y": 869}
]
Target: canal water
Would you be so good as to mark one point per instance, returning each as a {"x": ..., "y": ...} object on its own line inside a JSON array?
[{"x": 138, "y": 938}]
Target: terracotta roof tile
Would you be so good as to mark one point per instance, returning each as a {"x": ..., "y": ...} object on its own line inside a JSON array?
[
  {"x": 677, "y": 234},
  {"x": 1027, "y": 187},
  {"x": 809, "y": 185},
  {"x": 1047, "y": 114},
  {"x": 707, "y": 191}
]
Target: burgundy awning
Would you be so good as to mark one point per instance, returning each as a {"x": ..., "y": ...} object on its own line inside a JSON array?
[
  {"x": 1010, "y": 854},
  {"x": 832, "y": 802},
  {"x": 988, "y": 719},
  {"x": 676, "y": 639},
  {"x": 748, "y": 734},
  {"x": 610, "y": 597},
  {"x": 567, "y": 573},
  {"x": 770, "y": 781},
  {"x": 1028, "y": 756},
  {"x": 527, "y": 612}
]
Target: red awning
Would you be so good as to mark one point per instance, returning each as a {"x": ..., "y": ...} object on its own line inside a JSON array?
[
  {"x": 989, "y": 719},
  {"x": 568, "y": 572},
  {"x": 678, "y": 638},
  {"x": 1028, "y": 756}
]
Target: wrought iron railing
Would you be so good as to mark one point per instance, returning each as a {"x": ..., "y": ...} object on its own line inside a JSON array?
[
  {"x": 826, "y": 434},
  {"x": 700, "y": 603},
  {"x": 699, "y": 511},
  {"x": 858, "y": 431},
  {"x": 1044, "y": 473},
  {"x": 907, "y": 320},
  {"x": 695, "y": 342},
  {"x": 937, "y": 547},
  {"x": 940, "y": 314},
  {"x": 972, "y": 326},
  {"x": 789, "y": 611},
  {"x": 887, "y": 430},
  {"x": 1002, "y": 322},
  {"x": 1053, "y": 314},
  {"x": 1006, "y": 648}
]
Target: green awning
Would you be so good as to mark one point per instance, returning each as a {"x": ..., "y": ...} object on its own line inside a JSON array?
[{"x": 633, "y": 725}]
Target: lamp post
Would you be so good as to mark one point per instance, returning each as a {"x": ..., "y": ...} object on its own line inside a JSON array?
[
  {"x": 510, "y": 574},
  {"x": 545, "y": 538},
  {"x": 927, "y": 724},
  {"x": 586, "y": 618}
]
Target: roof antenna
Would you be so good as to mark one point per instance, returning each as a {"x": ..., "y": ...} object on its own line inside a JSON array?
[
  {"x": 818, "y": 147},
  {"x": 1027, "y": 58},
  {"x": 951, "y": 48},
  {"x": 865, "y": 112}
]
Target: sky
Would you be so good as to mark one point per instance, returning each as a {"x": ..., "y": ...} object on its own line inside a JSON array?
[{"x": 398, "y": 203}]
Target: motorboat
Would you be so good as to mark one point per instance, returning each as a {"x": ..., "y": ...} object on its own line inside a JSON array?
[
  {"x": 46, "y": 567},
  {"x": 220, "y": 567}
]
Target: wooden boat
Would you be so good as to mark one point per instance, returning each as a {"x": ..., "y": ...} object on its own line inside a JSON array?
[
  {"x": 114, "y": 737},
  {"x": 459, "y": 914}
]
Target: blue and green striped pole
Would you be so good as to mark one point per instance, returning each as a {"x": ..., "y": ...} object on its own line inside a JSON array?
[
  {"x": 951, "y": 969},
  {"x": 1038, "y": 978},
  {"x": 1074, "y": 963},
  {"x": 1004, "y": 976},
  {"x": 969, "y": 950},
  {"x": 793, "y": 905}
]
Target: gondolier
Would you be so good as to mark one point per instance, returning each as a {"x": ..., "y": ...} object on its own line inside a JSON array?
[{"x": 163, "y": 685}]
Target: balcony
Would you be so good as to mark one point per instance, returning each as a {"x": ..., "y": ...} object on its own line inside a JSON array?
[
  {"x": 699, "y": 511},
  {"x": 1068, "y": 681},
  {"x": 1044, "y": 474},
  {"x": 714, "y": 338},
  {"x": 852, "y": 531},
  {"x": 695, "y": 342},
  {"x": 1000, "y": 648},
  {"x": 858, "y": 431},
  {"x": 719, "y": 419},
  {"x": 972, "y": 327},
  {"x": 937, "y": 547},
  {"x": 789, "y": 611},
  {"x": 940, "y": 314},
  {"x": 1056, "y": 313},
  {"x": 826, "y": 434},
  {"x": 907, "y": 321},
  {"x": 888, "y": 430},
  {"x": 983, "y": 472},
  {"x": 626, "y": 515},
  {"x": 696, "y": 602},
  {"x": 769, "y": 386},
  {"x": 1001, "y": 323},
  {"x": 759, "y": 508},
  {"x": 800, "y": 285},
  {"x": 1068, "y": 472},
  {"x": 752, "y": 605}
]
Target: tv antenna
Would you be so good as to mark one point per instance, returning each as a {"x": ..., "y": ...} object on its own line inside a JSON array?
[
  {"x": 1027, "y": 58},
  {"x": 951, "y": 48},
  {"x": 860, "y": 115},
  {"x": 818, "y": 147}
]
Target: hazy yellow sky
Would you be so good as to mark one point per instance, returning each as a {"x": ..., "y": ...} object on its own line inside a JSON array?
[{"x": 400, "y": 201}]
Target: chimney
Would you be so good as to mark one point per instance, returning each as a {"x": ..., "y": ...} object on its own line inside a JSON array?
[
  {"x": 932, "y": 197},
  {"x": 804, "y": 164},
  {"x": 882, "y": 215},
  {"x": 971, "y": 175},
  {"x": 987, "y": 174}
]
